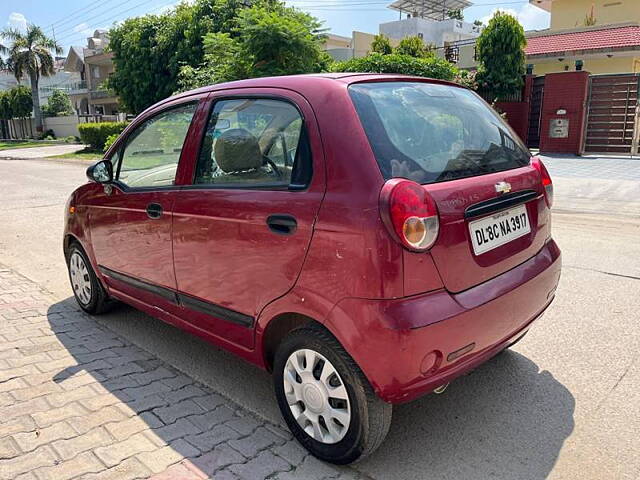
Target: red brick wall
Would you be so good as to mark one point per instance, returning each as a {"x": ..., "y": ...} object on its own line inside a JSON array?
[
  {"x": 518, "y": 112},
  {"x": 564, "y": 91},
  {"x": 517, "y": 116}
]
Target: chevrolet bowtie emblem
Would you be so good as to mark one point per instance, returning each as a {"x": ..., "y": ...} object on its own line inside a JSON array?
[{"x": 503, "y": 187}]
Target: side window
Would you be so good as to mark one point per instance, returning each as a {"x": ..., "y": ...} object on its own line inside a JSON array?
[
  {"x": 151, "y": 154},
  {"x": 254, "y": 142}
]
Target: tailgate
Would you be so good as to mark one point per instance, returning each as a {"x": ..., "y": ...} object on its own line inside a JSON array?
[{"x": 476, "y": 201}]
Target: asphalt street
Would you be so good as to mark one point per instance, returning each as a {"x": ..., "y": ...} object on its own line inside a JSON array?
[{"x": 564, "y": 404}]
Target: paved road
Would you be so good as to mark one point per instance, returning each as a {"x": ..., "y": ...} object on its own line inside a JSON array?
[
  {"x": 564, "y": 404},
  {"x": 39, "y": 152}
]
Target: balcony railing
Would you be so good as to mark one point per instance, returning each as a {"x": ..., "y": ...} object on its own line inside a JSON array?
[
  {"x": 81, "y": 85},
  {"x": 98, "y": 94}
]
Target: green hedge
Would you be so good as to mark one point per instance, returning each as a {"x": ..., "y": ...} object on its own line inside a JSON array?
[
  {"x": 432, "y": 67},
  {"x": 95, "y": 134}
]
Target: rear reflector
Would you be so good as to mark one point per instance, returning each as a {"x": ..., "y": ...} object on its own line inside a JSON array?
[
  {"x": 410, "y": 214},
  {"x": 545, "y": 178}
]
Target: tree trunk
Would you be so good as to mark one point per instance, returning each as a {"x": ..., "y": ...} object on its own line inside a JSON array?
[{"x": 35, "y": 96}]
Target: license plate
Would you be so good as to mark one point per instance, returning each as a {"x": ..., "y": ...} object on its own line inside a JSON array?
[{"x": 491, "y": 232}]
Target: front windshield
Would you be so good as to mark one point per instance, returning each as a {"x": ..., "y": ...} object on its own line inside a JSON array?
[{"x": 431, "y": 133}]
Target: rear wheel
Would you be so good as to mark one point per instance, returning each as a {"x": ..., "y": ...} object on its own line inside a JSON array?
[
  {"x": 86, "y": 286},
  {"x": 325, "y": 398}
]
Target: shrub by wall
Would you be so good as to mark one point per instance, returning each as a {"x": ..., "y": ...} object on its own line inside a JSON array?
[
  {"x": 431, "y": 67},
  {"x": 95, "y": 134}
]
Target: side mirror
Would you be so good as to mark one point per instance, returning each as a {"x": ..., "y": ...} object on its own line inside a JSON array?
[{"x": 101, "y": 172}]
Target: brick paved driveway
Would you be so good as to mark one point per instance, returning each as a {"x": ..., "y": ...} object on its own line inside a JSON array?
[{"x": 77, "y": 401}]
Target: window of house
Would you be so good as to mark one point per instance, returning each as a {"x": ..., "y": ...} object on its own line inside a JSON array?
[{"x": 254, "y": 141}]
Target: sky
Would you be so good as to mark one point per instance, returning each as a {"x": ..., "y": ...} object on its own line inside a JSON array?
[{"x": 71, "y": 21}]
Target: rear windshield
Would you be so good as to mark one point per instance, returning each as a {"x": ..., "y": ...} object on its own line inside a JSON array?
[{"x": 432, "y": 133}]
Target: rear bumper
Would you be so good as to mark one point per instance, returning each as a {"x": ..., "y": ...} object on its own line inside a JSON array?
[{"x": 408, "y": 347}]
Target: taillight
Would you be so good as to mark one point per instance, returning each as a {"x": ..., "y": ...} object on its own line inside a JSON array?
[
  {"x": 546, "y": 179},
  {"x": 410, "y": 214}
]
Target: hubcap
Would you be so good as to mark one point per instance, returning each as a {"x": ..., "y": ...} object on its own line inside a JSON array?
[
  {"x": 80, "y": 280},
  {"x": 317, "y": 396}
]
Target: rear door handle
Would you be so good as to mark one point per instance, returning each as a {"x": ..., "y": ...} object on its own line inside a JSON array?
[
  {"x": 154, "y": 211},
  {"x": 282, "y": 224}
]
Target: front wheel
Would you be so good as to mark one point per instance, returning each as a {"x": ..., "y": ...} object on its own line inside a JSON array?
[
  {"x": 86, "y": 286},
  {"x": 325, "y": 398}
]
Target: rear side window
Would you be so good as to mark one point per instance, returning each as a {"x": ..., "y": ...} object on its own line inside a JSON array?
[
  {"x": 432, "y": 133},
  {"x": 253, "y": 142}
]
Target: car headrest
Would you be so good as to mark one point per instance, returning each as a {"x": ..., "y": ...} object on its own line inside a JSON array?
[{"x": 237, "y": 150}]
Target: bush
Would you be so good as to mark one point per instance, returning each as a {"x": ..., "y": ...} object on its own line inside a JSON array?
[
  {"x": 111, "y": 139},
  {"x": 381, "y": 44},
  {"x": 467, "y": 79},
  {"x": 95, "y": 134},
  {"x": 47, "y": 135},
  {"x": 431, "y": 67},
  {"x": 414, "y": 47}
]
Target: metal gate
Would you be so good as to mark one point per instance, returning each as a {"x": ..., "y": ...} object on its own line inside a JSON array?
[
  {"x": 612, "y": 118},
  {"x": 535, "y": 110}
]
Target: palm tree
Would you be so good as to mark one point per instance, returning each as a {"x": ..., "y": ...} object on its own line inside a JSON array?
[{"x": 30, "y": 55}]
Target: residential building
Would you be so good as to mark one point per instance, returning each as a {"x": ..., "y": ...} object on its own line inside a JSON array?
[
  {"x": 60, "y": 80},
  {"x": 94, "y": 65},
  {"x": 357, "y": 46},
  {"x": 599, "y": 36},
  {"x": 429, "y": 20},
  {"x": 426, "y": 19}
]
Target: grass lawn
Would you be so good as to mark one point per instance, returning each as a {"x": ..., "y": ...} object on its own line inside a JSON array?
[
  {"x": 26, "y": 144},
  {"x": 85, "y": 154}
]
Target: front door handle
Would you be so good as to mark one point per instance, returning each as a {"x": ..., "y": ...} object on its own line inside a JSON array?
[
  {"x": 282, "y": 224},
  {"x": 154, "y": 211}
]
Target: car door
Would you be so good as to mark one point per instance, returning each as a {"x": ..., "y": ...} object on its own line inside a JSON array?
[
  {"x": 241, "y": 230},
  {"x": 131, "y": 219}
]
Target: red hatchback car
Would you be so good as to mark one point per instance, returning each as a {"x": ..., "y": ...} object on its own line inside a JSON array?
[{"x": 366, "y": 238}]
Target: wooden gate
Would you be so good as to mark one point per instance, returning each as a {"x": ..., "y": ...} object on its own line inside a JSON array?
[
  {"x": 612, "y": 117},
  {"x": 535, "y": 110}
]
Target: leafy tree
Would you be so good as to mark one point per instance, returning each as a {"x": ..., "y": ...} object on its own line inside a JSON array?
[
  {"x": 58, "y": 104},
  {"x": 431, "y": 67},
  {"x": 6, "y": 107},
  {"x": 21, "y": 104},
  {"x": 414, "y": 47},
  {"x": 455, "y": 14},
  {"x": 5, "y": 113},
  {"x": 478, "y": 23},
  {"x": 21, "y": 101},
  {"x": 500, "y": 51},
  {"x": 279, "y": 40},
  {"x": 269, "y": 39},
  {"x": 150, "y": 50},
  {"x": 381, "y": 44},
  {"x": 30, "y": 55}
]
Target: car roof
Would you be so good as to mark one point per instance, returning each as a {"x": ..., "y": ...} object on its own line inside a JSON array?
[{"x": 307, "y": 82}]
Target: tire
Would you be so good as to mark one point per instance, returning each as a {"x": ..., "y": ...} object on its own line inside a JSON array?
[
  {"x": 345, "y": 439},
  {"x": 87, "y": 288}
]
